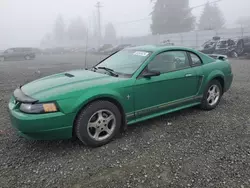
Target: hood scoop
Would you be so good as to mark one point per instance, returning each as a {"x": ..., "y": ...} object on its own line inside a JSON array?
[{"x": 69, "y": 75}]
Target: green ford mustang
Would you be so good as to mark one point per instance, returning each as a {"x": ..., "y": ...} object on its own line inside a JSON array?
[{"x": 132, "y": 85}]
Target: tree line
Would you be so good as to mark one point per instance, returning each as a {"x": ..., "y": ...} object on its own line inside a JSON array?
[
  {"x": 76, "y": 30},
  {"x": 168, "y": 16}
]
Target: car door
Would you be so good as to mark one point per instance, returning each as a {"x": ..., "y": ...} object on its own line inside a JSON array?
[{"x": 177, "y": 84}]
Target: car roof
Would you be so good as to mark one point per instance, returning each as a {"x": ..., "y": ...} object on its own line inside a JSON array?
[{"x": 159, "y": 48}]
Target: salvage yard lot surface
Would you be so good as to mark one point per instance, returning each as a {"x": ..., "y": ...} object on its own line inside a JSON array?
[{"x": 190, "y": 148}]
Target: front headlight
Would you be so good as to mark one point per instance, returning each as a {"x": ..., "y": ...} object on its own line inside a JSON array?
[{"x": 38, "y": 108}]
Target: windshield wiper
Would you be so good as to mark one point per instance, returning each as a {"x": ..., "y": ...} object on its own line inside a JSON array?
[{"x": 111, "y": 71}]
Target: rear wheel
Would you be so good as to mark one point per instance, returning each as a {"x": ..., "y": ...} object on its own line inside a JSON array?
[
  {"x": 98, "y": 123},
  {"x": 212, "y": 95}
]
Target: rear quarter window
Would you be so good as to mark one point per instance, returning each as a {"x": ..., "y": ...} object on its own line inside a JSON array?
[{"x": 195, "y": 59}]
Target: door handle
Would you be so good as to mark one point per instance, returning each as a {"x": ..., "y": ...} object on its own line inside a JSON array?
[{"x": 188, "y": 75}]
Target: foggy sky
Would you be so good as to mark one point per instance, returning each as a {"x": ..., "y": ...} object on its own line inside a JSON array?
[{"x": 24, "y": 22}]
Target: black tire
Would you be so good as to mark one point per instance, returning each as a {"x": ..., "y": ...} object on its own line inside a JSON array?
[
  {"x": 81, "y": 123},
  {"x": 204, "y": 103}
]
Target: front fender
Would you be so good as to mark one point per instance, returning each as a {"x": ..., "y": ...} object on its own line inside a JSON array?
[{"x": 93, "y": 95}]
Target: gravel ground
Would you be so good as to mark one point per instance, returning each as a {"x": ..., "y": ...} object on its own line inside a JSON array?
[{"x": 190, "y": 148}]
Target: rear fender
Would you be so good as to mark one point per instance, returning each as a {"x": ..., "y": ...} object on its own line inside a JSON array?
[{"x": 214, "y": 74}]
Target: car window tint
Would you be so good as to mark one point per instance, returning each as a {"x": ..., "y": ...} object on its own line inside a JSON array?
[
  {"x": 195, "y": 59},
  {"x": 169, "y": 61}
]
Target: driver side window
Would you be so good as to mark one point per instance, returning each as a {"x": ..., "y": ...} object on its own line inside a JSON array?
[{"x": 169, "y": 61}]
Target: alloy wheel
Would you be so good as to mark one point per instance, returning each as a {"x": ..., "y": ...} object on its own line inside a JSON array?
[
  {"x": 101, "y": 125},
  {"x": 213, "y": 95}
]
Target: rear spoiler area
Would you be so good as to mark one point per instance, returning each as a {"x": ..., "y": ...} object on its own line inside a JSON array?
[{"x": 218, "y": 56}]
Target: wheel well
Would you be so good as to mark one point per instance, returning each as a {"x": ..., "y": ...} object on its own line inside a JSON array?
[
  {"x": 221, "y": 80},
  {"x": 115, "y": 102}
]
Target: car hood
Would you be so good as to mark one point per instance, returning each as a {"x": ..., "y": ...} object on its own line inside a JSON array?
[{"x": 66, "y": 84}]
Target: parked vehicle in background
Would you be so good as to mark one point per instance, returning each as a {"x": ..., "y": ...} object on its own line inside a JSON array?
[
  {"x": 243, "y": 45},
  {"x": 47, "y": 51},
  {"x": 56, "y": 50},
  {"x": 167, "y": 43},
  {"x": 209, "y": 46},
  {"x": 227, "y": 47},
  {"x": 17, "y": 53},
  {"x": 91, "y": 50},
  {"x": 232, "y": 47},
  {"x": 37, "y": 51}
]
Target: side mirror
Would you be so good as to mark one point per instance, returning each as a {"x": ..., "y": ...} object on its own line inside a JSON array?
[{"x": 150, "y": 74}]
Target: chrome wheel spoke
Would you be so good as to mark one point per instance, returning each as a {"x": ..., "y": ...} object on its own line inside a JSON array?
[
  {"x": 109, "y": 131},
  {"x": 213, "y": 90},
  {"x": 100, "y": 116},
  {"x": 97, "y": 133},
  {"x": 217, "y": 94},
  {"x": 212, "y": 99},
  {"x": 213, "y": 95},
  {"x": 101, "y": 125},
  {"x": 209, "y": 98},
  {"x": 108, "y": 119},
  {"x": 92, "y": 125}
]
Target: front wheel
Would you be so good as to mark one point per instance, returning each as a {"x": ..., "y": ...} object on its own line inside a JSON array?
[
  {"x": 98, "y": 123},
  {"x": 212, "y": 95}
]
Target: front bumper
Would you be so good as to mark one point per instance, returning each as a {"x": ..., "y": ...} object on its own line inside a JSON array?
[{"x": 41, "y": 126}]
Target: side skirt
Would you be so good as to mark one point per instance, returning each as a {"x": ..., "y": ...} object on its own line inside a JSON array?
[
  {"x": 162, "y": 109},
  {"x": 161, "y": 113}
]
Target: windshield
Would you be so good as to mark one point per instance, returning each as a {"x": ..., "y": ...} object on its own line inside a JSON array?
[{"x": 125, "y": 61}]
